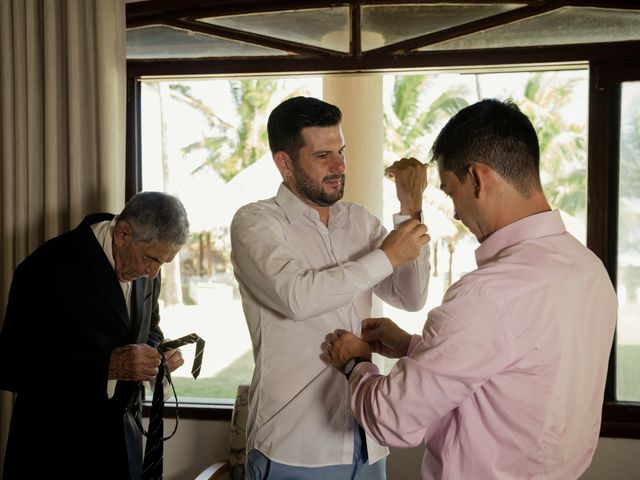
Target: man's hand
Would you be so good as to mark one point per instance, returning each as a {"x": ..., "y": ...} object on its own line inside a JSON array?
[
  {"x": 404, "y": 243},
  {"x": 340, "y": 346},
  {"x": 134, "y": 362},
  {"x": 385, "y": 337},
  {"x": 410, "y": 177},
  {"x": 174, "y": 359}
]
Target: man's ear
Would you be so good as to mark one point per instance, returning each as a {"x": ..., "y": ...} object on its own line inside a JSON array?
[
  {"x": 283, "y": 162},
  {"x": 478, "y": 176},
  {"x": 122, "y": 232}
]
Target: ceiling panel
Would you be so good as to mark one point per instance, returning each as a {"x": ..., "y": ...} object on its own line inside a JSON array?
[
  {"x": 386, "y": 24},
  {"x": 319, "y": 27},
  {"x": 162, "y": 41},
  {"x": 565, "y": 26}
]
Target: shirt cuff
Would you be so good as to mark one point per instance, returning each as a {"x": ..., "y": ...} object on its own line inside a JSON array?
[
  {"x": 398, "y": 218},
  {"x": 377, "y": 265},
  {"x": 111, "y": 387},
  {"x": 362, "y": 369}
]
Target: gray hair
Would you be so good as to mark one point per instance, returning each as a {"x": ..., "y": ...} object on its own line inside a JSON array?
[{"x": 156, "y": 216}]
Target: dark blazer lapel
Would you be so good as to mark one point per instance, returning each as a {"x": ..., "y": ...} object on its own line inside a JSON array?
[
  {"x": 99, "y": 271},
  {"x": 137, "y": 309}
]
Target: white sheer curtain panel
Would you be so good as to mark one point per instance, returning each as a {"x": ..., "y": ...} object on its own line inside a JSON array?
[{"x": 62, "y": 126}]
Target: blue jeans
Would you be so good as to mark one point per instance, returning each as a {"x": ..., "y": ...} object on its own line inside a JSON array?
[{"x": 260, "y": 467}]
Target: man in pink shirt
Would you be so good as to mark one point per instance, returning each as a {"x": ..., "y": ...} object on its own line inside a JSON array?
[{"x": 507, "y": 379}]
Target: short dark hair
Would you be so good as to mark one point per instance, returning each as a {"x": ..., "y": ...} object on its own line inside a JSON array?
[
  {"x": 497, "y": 134},
  {"x": 156, "y": 216},
  {"x": 287, "y": 120}
]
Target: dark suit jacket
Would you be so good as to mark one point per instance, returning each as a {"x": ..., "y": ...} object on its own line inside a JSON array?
[{"x": 66, "y": 313}]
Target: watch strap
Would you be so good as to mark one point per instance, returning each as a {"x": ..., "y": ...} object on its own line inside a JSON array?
[{"x": 351, "y": 365}]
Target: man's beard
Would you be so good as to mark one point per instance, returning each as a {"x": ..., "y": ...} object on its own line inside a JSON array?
[{"x": 313, "y": 192}]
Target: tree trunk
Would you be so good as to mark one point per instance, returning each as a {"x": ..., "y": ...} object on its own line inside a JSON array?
[
  {"x": 171, "y": 281},
  {"x": 449, "y": 276},
  {"x": 435, "y": 257}
]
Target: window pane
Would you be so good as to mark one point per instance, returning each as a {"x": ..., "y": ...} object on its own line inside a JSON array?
[
  {"x": 321, "y": 27},
  {"x": 386, "y": 24},
  {"x": 587, "y": 25},
  {"x": 628, "y": 333},
  {"x": 170, "y": 42},
  {"x": 418, "y": 106},
  {"x": 205, "y": 142}
]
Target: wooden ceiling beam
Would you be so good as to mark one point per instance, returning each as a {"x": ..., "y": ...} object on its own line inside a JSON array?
[
  {"x": 415, "y": 60},
  {"x": 464, "y": 29},
  {"x": 254, "y": 38}
]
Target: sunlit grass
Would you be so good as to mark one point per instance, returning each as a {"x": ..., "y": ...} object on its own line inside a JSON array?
[
  {"x": 221, "y": 385},
  {"x": 628, "y": 368}
]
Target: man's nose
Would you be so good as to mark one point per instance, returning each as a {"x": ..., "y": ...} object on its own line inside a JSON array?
[
  {"x": 455, "y": 215},
  {"x": 338, "y": 166}
]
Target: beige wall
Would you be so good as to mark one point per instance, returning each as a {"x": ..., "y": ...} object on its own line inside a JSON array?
[{"x": 199, "y": 443}]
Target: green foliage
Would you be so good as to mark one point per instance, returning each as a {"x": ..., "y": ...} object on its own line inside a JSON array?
[
  {"x": 221, "y": 385},
  {"x": 252, "y": 99},
  {"x": 230, "y": 149},
  {"x": 628, "y": 366},
  {"x": 630, "y": 150},
  {"x": 407, "y": 125},
  {"x": 563, "y": 155},
  {"x": 629, "y": 209}
]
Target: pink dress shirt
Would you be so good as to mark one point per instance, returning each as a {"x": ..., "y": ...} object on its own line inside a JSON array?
[{"x": 508, "y": 377}]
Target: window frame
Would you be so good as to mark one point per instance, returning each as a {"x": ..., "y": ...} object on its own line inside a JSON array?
[
  {"x": 609, "y": 65},
  {"x": 619, "y": 419}
]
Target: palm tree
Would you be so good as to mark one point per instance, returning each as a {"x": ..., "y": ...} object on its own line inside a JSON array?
[
  {"x": 409, "y": 128},
  {"x": 252, "y": 99},
  {"x": 172, "y": 285},
  {"x": 407, "y": 125},
  {"x": 562, "y": 144},
  {"x": 229, "y": 148}
]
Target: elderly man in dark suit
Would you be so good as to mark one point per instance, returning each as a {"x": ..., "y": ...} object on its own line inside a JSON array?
[{"x": 79, "y": 336}]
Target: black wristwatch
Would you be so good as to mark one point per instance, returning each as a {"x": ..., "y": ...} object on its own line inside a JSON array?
[{"x": 351, "y": 364}]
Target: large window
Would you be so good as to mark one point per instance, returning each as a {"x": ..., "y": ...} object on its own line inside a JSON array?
[
  {"x": 205, "y": 141},
  {"x": 418, "y": 106},
  {"x": 628, "y": 333}
]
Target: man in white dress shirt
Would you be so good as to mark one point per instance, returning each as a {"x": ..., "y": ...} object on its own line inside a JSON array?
[{"x": 307, "y": 264}]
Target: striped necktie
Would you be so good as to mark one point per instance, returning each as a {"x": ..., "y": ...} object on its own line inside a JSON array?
[
  {"x": 153, "y": 453},
  {"x": 186, "y": 340}
]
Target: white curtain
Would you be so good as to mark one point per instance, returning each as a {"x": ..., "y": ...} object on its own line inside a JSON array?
[{"x": 62, "y": 126}]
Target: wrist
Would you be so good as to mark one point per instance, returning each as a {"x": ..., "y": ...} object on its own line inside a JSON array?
[
  {"x": 392, "y": 260},
  {"x": 411, "y": 206},
  {"x": 351, "y": 364},
  {"x": 414, "y": 211}
]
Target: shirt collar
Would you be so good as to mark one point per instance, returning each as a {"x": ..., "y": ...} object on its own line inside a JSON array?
[
  {"x": 104, "y": 234},
  {"x": 527, "y": 228},
  {"x": 294, "y": 208}
]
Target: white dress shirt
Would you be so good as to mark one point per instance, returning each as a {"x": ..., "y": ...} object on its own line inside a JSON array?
[
  {"x": 104, "y": 234},
  {"x": 300, "y": 280}
]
